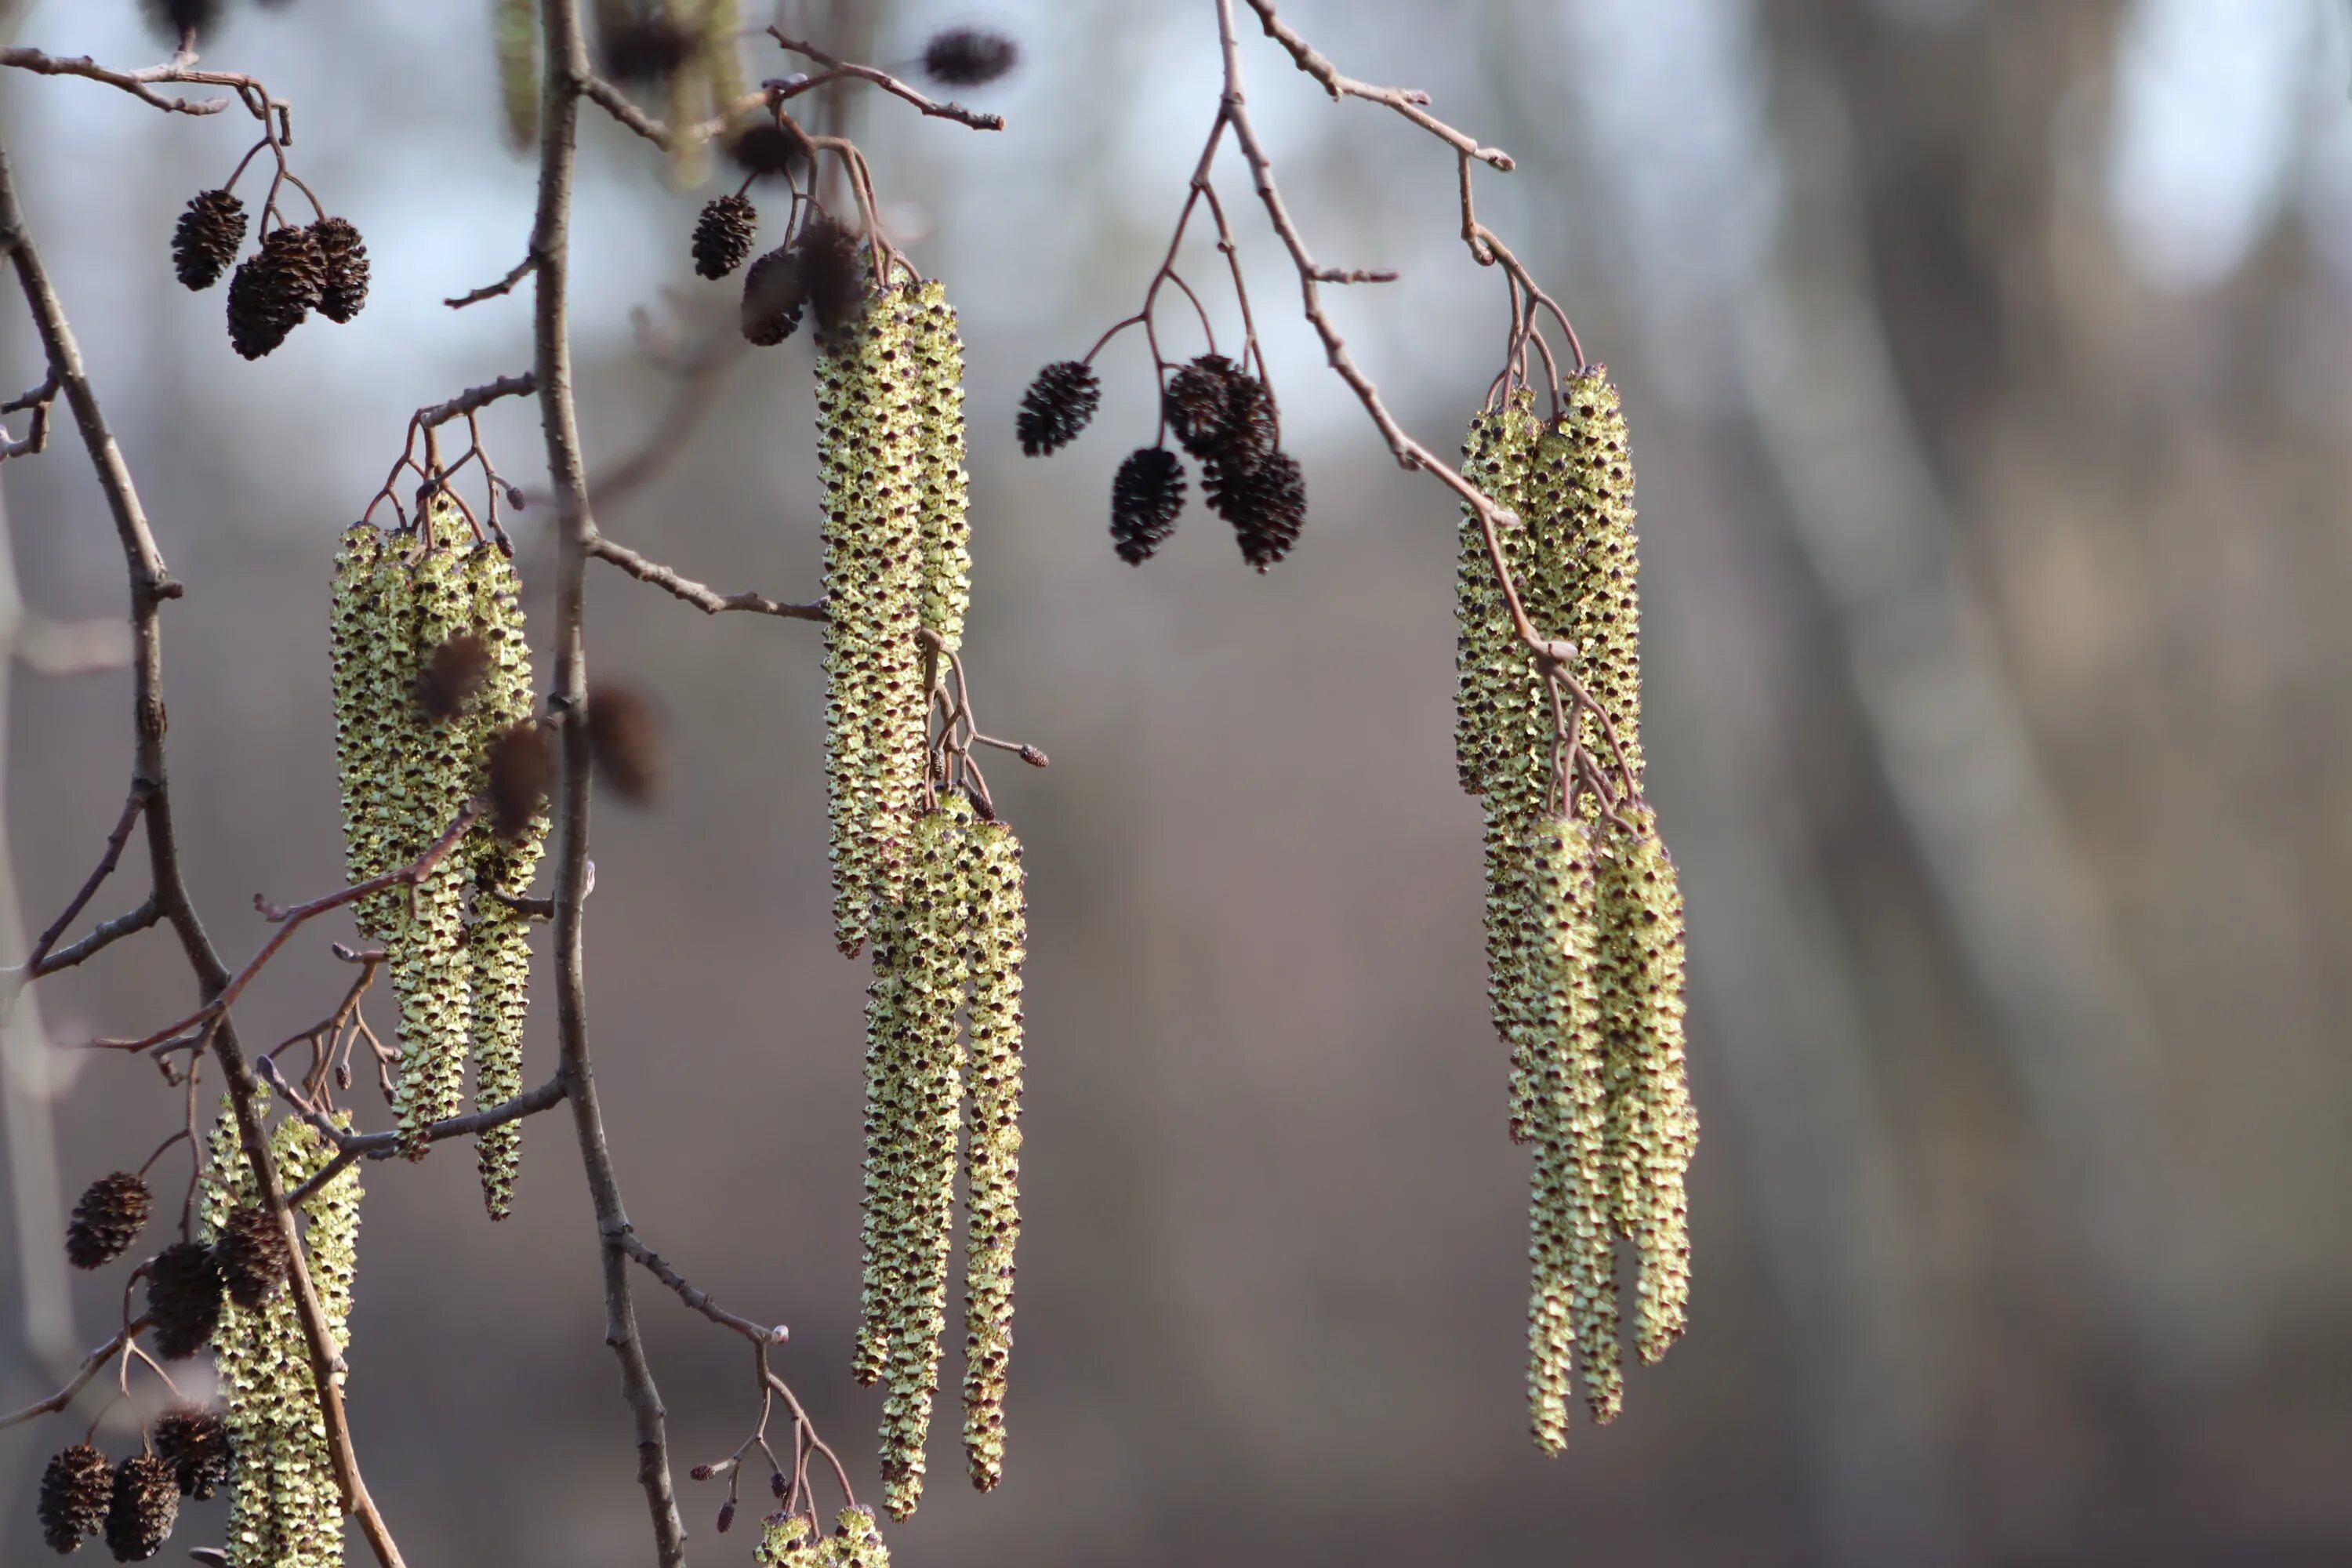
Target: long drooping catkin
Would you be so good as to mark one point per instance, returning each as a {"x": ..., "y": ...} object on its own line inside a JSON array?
[
  {"x": 1573, "y": 1296},
  {"x": 498, "y": 942},
  {"x": 428, "y": 940},
  {"x": 998, "y": 946},
  {"x": 1604, "y": 592},
  {"x": 369, "y": 654},
  {"x": 932, "y": 959},
  {"x": 870, "y": 448},
  {"x": 285, "y": 1509},
  {"x": 1651, "y": 1129},
  {"x": 946, "y": 520}
]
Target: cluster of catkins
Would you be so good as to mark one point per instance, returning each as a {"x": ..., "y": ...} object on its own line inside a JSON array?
[
  {"x": 787, "y": 1540},
  {"x": 932, "y": 891},
  {"x": 1584, "y": 915},
  {"x": 432, "y": 706},
  {"x": 321, "y": 267},
  {"x": 285, "y": 1509},
  {"x": 1218, "y": 412}
]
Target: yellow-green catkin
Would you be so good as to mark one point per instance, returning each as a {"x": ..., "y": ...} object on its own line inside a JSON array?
[
  {"x": 785, "y": 1543},
  {"x": 429, "y": 961},
  {"x": 285, "y": 1509},
  {"x": 514, "y": 30},
  {"x": 368, "y": 709},
  {"x": 1604, "y": 595},
  {"x": 930, "y": 956},
  {"x": 1572, "y": 1303},
  {"x": 1651, "y": 1129},
  {"x": 855, "y": 1541},
  {"x": 945, "y": 521},
  {"x": 870, "y": 452},
  {"x": 997, "y": 946},
  {"x": 498, "y": 942}
]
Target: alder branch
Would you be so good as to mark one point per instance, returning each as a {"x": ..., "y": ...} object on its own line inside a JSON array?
[
  {"x": 565, "y": 79},
  {"x": 475, "y": 398},
  {"x": 492, "y": 291},
  {"x": 835, "y": 69},
  {"x": 149, "y": 586},
  {"x": 132, "y": 805},
  {"x": 137, "y": 83},
  {"x": 103, "y": 935},
  {"x": 94, "y": 1363},
  {"x": 1407, "y": 101},
  {"x": 352, "y": 1147},
  {"x": 700, "y": 1299},
  {"x": 706, "y": 599}
]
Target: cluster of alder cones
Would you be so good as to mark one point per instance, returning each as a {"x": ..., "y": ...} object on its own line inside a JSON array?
[
  {"x": 1221, "y": 415},
  {"x": 322, "y": 266}
]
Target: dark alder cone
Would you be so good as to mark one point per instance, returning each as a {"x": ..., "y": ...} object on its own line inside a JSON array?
[
  {"x": 195, "y": 1443},
  {"x": 625, "y": 734},
  {"x": 643, "y": 51},
  {"x": 1194, "y": 403},
  {"x": 211, "y": 227},
  {"x": 75, "y": 1490},
  {"x": 723, "y": 235},
  {"x": 172, "y": 19},
  {"x": 143, "y": 1510},
  {"x": 452, "y": 676},
  {"x": 343, "y": 259},
  {"x": 1267, "y": 507},
  {"x": 523, "y": 770},
  {"x": 775, "y": 293},
  {"x": 1145, "y": 496},
  {"x": 764, "y": 147},
  {"x": 272, "y": 292},
  {"x": 967, "y": 57},
  {"x": 1219, "y": 413},
  {"x": 1058, "y": 406},
  {"x": 836, "y": 280},
  {"x": 106, "y": 1220},
  {"x": 252, "y": 1257},
  {"x": 184, "y": 1297}
]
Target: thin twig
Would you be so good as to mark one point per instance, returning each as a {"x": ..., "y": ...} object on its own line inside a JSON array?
[
  {"x": 702, "y": 597},
  {"x": 475, "y": 398},
  {"x": 352, "y": 1147},
  {"x": 492, "y": 291},
  {"x": 881, "y": 79},
  {"x": 92, "y": 1364},
  {"x": 700, "y": 1299}
]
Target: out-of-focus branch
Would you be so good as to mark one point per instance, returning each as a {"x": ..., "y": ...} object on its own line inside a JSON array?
[{"x": 835, "y": 70}]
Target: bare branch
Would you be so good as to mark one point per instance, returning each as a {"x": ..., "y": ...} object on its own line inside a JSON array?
[
  {"x": 475, "y": 398},
  {"x": 103, "y": 935},
  {"x": 136, "y": 83},
  {"x": 706, "y": 599},
  {"x": 835, "y": 68},
  {"x": 92, "y": 1364},
  {"x": 135, "y": 802},
  {"x": 492, "y": 291},
  {"x": 616, "y": 103},
  {"x": 566, "y": 78},
  {"x": 354, "y": 1147},
  {"x": 758, "y": 1333},
  {"x": 1406, "y": 101}
]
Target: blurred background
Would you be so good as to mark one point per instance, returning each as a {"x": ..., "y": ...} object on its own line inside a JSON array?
[{"x": 1989, "y": 371}]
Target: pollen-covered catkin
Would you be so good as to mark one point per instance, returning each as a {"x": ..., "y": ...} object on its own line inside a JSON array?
[
  {"x": 499, "y": 940},
  {"x": 437, "y": 764},
  {"x": 1604, "y": 594},
  {"x": 285, "y": 1509},
  {"x": 368, "y": 641},
  {"x": 1572, "y": 1297},
  {"x": 1651, "y": 1129},
  {"x": 1496, "y": 453},
  {"x": 997, "y": 946},
  {"x": 928, "y": 948},
  {"x": 944, "y": 499},
  {"x": 870, "y": 425}
]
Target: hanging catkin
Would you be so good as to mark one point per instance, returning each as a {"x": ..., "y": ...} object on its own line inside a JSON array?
[
  {"x": 870, "y": 450},
  {"x": 436, "y": 773},
  {"x": 946, "y": 523},
  {"x": 1572, "y": 1297},
  {"x": 285, "y": 1508},
  {"x": 1604, "y": 593},
  {"x": 498, "y": 943},
  {"x": 514, "y": 30},
  {"x": 369, "y": 653},
  {"x": 926, "y": 947},
  {"x": 997, "y": 947}
]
